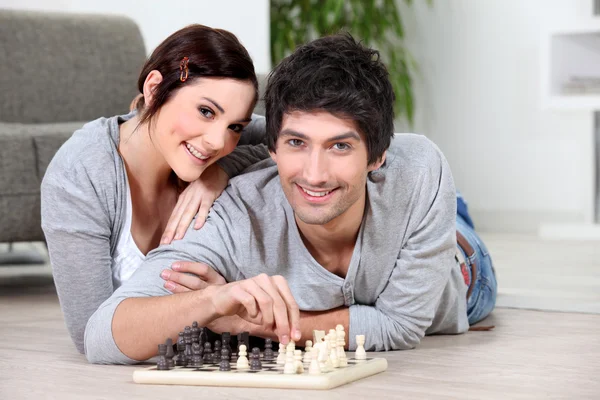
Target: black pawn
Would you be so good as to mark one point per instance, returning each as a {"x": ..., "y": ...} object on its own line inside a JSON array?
[
  {"x": 217, "y": 352},
  {"x": 195, "y": 332},
  {"x": 170, "y": 353},
  {"x": 224, "y": 365},
  {"x": 196, "y": 356},
  {"x": 180, "y": 359},
  {"x": 207, "y": 353},
  {"x": 255, "y": 363},
  {"x": 162, "y": 364},
  {"x": 226, "y": 340},
  {"x": 268, "y": 354}
]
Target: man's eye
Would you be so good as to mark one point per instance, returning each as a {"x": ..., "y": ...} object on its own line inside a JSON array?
[
  {"x": 206, "y": 112},
  {"x": 342, "y": 146},
  {"x": 295, "y": 142}
]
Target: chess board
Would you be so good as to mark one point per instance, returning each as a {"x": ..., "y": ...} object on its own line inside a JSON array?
[{"x": 270, "y": 376}]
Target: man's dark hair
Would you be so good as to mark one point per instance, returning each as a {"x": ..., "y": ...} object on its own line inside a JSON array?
[{"x": 338, "y": 75}]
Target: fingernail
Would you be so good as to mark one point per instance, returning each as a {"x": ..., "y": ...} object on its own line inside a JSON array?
[
  {"x": 285, "y": 339},
  {"x": 175, "y": 266},
  {"x": 297, "y": 335},
  {"x": 170, "y": 285},
  {"x": 164, "y": 240},
  {"x": 165, "y": 274}
]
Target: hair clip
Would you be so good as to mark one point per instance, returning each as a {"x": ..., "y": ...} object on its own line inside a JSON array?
[{"x": 183, "y": 69}]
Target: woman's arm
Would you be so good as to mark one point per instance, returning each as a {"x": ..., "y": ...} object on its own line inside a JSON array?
[{"x": 77, "y": 230}]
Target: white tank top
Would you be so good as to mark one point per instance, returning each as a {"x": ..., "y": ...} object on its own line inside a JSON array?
[{"x": 127, "y": 257}]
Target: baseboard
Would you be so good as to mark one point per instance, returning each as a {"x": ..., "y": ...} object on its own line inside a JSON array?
[{"x": 521, "y": 221}]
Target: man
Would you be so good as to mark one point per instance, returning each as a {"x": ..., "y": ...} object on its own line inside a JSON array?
[{"x": 346, "y": 227}]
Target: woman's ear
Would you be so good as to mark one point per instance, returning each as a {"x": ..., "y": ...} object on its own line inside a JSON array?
[{"x": 152, "y": 81}]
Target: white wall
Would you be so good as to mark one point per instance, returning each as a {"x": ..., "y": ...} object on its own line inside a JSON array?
[
  {"x": 248, "y": 20},
  {"x": 478, "y": 99}
]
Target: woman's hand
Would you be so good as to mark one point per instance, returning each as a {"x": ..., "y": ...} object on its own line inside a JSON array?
[
  {"x": 195, "y": 200},
  {"x": 179, "y": 280}
]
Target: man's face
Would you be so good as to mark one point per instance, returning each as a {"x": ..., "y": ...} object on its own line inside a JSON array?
[{"x": 322, "y": 163}]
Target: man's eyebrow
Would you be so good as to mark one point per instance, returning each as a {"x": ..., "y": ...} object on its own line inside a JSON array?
[
  {"x": 343, "y": 136},
  {"x": 215, "y": 104}
]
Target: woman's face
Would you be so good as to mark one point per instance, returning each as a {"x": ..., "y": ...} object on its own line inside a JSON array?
[{"x": 201, "y": 123}]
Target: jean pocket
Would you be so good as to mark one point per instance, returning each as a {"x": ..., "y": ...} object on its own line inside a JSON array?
[{"x": 484, "y": 303}]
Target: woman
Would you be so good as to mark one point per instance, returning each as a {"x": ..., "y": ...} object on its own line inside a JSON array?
[{"x": 119, "y": 186}]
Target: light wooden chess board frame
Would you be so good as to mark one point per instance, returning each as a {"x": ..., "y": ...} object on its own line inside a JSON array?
[{"x": 271, "y": 376}]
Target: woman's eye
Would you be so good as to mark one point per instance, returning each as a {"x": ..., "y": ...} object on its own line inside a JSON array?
[
  {"x": 295, "y": 142},
  {"x": 341, "y": 146},
  {"x": 236, "y": 128},
  {"x": 206, "y": 112}
]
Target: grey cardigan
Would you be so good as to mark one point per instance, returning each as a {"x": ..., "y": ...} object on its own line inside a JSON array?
[{"x": 83, "y": 199}]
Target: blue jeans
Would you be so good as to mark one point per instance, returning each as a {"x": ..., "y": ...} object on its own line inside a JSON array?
[{"x": 482, "y": 300}]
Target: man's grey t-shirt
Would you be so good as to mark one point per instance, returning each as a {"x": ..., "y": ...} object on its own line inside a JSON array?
[{"x": 402, "y": 281}]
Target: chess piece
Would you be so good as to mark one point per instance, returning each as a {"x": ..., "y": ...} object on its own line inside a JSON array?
[
  {"x": 314, "y": 368},
  {"x": 281, "y": 355},
  {"x": 180, "y": 358},
  {"x": 243, "y": 339},
  {"x": 298, "y": 361},
  {"x": 255, "y": 363},
  {"x": 170, "y": 353},
  {"x": 226, "y": 342},
  {"x": 341, "y": 343},
  {"x": 307, "y": 350},
  {"x": 268, "y": 353},
  {"x": 318, "y": 336},
  {"x": 217, "y": 352},
  {"x": 332, "y": 337},
  {"x": 196, "y": 356},
  {"x": 195, "y": 332},
  {"x": 224, "y": 365},
  {"x": 187, "y": 335},
  {"x": 290, "y": 364},
  {"x": 208, "y": 354},
  {"x": 324, "y": 361},
  {"x": 242, "y": 361},
  {"x": 360, "y": 353},
  {"x": 162, "y": 364}
]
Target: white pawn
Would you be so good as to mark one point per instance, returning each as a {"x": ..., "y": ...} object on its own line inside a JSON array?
[
  {"x": 341, "y": 343},
  {"x": 314, "y": 368},
  {"x": 307, "y": 349},
  {"x": 290, "y": 363},
  {"x": 298, "y": 361},
  {"x": 281, "y": 355},
  {"x": 360, "y": 353},
  {"x": 242, "y": 361},
  {"x": 335, "y": 361}
]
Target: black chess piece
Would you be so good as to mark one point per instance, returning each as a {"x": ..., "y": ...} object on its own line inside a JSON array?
[
  {"x": 224, "y": 364},
  {"x": 268, "y": 353},
  {"x": 217, "y": 352},
  {"x": 243, "y": 338},
  {"x": 202, "y": 337},
  {"x": 197, "y": 360},
  {"x": 226, "y": 340},
  {"x": 170, "y": 353},
  {"x": 180, "y": 358},
  {"x": 195, "y": 332},
  {"x": 187, "y": 335},
  {"x": 208, "y": 354},
  {"x": 162, "y": 364},
  {"x": 255, "y": 363}
]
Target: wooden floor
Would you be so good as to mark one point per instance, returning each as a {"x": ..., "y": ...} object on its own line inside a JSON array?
[{"x": 530, "y": 354}]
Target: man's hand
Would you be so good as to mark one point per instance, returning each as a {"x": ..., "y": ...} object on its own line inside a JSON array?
[
  {"x": 195, "y": 200},
  {"x": 179, "y": 280},
  {"x": 264, "y": 300}
]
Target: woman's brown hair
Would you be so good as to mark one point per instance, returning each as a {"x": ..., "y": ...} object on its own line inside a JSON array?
[{"x": 211, "y": 52}]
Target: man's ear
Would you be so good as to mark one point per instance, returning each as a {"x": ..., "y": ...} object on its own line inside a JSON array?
[
  {"x": 378, "y": 163},
  {"x": 152, "y": 81},
  {"x": 273, "y": 156}
]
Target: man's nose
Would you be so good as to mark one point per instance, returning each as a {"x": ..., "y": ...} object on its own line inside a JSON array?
[{"x": 316, "y": 170}]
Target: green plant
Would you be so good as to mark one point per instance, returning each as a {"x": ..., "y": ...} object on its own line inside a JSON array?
[{"x": 377, "y": 23}]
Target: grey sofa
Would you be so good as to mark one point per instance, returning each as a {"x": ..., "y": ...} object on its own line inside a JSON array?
[{"x": 57, "y": 71}]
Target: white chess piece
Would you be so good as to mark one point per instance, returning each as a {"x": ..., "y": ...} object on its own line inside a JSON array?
[
  {"x": 341, "y": 343},
  {"x": 314, "y": 368},
  {"x": 360, "y": 353},
  {"x": 290, "y": 363},
  {"x": 298, "y": 361},
  {"x": 324, "y": 361},
  {"x": 307, "y": 350},
  {"x": 281, "y": 355},
  {"x": 242, "y": 361},
  {"x": 335, "y": 361}
]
